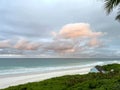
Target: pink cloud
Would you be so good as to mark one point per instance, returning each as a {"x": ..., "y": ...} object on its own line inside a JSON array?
[
  {"x": 26, "y": 45},
  {"x": 94, "y": 42},
  {"x": 5, "y": 43},
  {"x": 76, "y": 38},
  {"x": 77, "y": 30},
  {"x": 60, "y": 46},
  {"x": 80, "y": 37}
]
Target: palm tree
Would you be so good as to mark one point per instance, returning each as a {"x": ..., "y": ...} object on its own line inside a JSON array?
[{"x": 110, "y": 4}]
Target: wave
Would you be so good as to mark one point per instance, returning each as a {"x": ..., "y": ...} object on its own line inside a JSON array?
[{"x": 18, "y": 70}]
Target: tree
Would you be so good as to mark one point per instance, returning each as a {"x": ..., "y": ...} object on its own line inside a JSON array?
[{"x": 110, "y": 5}]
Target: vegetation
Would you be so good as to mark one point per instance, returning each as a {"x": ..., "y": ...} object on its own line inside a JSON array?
[
  {"x": 92, "y": 81},
  {"x": 110, "y": 4}
]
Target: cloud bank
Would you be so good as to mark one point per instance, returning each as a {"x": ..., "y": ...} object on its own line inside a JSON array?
[
  {"x": 31, "y": 20},
  {"x": 71, "y": 39},
  {"x": 74, "y": 38}
]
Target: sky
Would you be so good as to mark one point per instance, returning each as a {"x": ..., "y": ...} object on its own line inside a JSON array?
[{"x": 58, "y": 28}]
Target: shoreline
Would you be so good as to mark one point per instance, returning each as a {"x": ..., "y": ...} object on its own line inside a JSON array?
[{"x": 17, "y": 79}]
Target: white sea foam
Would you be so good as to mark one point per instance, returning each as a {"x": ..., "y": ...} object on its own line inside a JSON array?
[{"x": 18, "y": 70}]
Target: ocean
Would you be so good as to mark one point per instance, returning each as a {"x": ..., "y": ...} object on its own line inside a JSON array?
[{"x": 29, "y": 65}]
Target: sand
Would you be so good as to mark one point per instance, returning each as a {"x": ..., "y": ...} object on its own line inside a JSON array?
[{"x": 13, "y": 80}]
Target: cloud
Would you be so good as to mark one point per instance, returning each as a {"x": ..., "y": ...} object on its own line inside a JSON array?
[
  {"x": 31, "y": 21},
  {"x": 60, "y": 46},
  {"x": 77, "y": 30},
  {"x": 94, "y": 42},
  {"x": 26, "y": 45},
  {"x": 74, "y": 38},
  {"x": 5, "y": 43}
]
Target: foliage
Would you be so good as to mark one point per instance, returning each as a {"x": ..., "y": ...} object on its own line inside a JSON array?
[{"x": 110, "y": 4}]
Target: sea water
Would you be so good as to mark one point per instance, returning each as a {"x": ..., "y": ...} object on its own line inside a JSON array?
[{"x": 29, "y": 65}]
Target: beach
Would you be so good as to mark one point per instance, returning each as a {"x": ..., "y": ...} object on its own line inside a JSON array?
[
  {"x": 20, "y": 71},
  {"x": 17, "y": 79}
]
